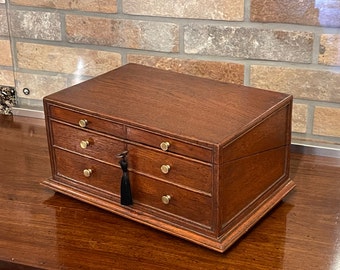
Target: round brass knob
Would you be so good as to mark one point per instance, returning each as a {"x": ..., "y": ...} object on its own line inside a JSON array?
[
  {"x": 84, "y": 144},
  {"x": 82, "y": 122},
  {"x": 165, "y": 169},
  {"x": 166, "y": 199},
  {"x": 165, "y": 146},
  {"x": 87, "y": 172}
]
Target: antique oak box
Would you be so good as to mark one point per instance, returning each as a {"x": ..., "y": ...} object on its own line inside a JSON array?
[{"x": 197, "y": 158}]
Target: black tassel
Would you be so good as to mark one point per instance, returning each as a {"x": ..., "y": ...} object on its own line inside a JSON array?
[{"x": 125, "y": 189}]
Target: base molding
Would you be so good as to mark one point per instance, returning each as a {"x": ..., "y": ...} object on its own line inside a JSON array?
[{"x": 219, "y": 244}]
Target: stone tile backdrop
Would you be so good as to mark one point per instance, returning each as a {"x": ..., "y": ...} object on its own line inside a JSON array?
[{"x": 282, "y": 45}]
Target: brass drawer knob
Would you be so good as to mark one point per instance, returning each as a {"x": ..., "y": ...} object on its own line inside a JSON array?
[
  {"x": 87, "y": 172},
  {"x": 165, "y": 169},
  {"x": 166, "y": 199},
  {"x": 84, "y": 144},
  {"x": 165, "y": 146},
  {"x": 82, "y": 122}
]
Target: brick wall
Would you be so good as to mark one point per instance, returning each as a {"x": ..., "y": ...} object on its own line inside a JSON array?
[{"x": 283, "y": 45}]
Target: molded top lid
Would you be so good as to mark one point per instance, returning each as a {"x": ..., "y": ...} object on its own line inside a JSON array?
[{"x": 197, "y": 109}]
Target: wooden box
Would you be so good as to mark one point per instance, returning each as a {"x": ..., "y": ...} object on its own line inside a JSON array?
[{"x": 205, "y": 160}]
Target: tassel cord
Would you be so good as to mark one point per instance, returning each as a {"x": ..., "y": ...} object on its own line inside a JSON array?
[{"x": 125, "y": 188}]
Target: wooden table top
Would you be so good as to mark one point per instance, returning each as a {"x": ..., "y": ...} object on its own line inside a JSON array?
[{"x": 47, "y": 230}]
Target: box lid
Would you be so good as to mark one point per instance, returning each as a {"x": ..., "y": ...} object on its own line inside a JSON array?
[{"x": 196, "y": 109}]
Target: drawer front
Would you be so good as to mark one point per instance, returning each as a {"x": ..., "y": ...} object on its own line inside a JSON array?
[
  {"x": 97, "y": 146},
  {"x": 183, "y": 172},
  {"x": 146, "y": 191},
  {"x": 173, "y": 146},
  {"x": 181, "y": 202},
  {"x": 103, "y": 177},
  {"x": 91, "y": 123}
]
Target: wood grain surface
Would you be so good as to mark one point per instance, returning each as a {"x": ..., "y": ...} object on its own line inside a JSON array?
[{"x": 47, "y": 230}]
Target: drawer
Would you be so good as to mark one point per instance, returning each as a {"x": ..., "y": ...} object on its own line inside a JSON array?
[
  {"x": 183, "y": 203},
  {"x": 169, "y": 144},
  {"x": 92, "y": 123},
  {"x": 181, "y": 171},
  {"x": 103, "y": 177},
  {"x": 145, "y": 190},
  {"x": 97, "y": 146}
]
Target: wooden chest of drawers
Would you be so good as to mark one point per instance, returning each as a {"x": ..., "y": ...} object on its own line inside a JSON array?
[{"x": 205, "y": 160}]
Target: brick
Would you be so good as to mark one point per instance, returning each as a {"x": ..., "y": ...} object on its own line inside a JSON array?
[
  {"x": 3, "y": 22},
  {"x": 301, "y": 83},
  {"x": 35, "y": 25},
  {"x": 306, "y": 12},
  {"x": 104, "y": 6},
  {"x": 326, "y": 121},
  {"x": 145, "y": 35},
  {"x": 299, "y": 122},
  {"x": 250, "y": 43},
  {"x": 6, "y": 77},
  {"x": 5, "y": 53},
  {"x": 220, "y": 71},
  {"x": 329, "y": 50},
  {"x": 60, "y": 59},
  {"x": 39, "y": 85},
  {"x": 229, "y": 10}
]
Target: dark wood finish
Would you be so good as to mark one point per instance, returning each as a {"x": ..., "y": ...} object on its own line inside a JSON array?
[
  {"x": 187, "y": 173},
  {"x": 191, "y": 150},
  {"x": 228, "y": 150},
  {"x": 41, "y": 229},
  {"x": 100, "y": 147},
  {"x": 94, "y": 123}
]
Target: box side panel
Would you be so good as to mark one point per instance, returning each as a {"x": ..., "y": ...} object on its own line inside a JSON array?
[
  {"x": 273, "y": 131},
  {"x": 247, "y": 182},
  {"x": 47, "y": 113},
  {"x": 254, "y": 167}
]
